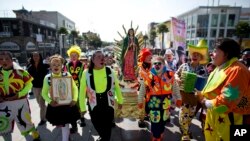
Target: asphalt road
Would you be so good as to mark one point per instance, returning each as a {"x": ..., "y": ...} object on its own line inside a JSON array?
[{"x": 126, "y": 129}]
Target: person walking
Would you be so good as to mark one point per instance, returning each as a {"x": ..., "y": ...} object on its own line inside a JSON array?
[
  {"x": 15, "y": 83},
  {"x": 170, "y": 60},
  {"x": 226, "y": 95},
  {"x": 144, "y": 65},
  {"x": 186, "y": 76},
  {"x": 60, "y": 113},
  {"x": 37, "y": 69},
  {"x": 101, "y": 86},
  {"x": 160, "y": 87},
  {"x": 75, "y": 68}
]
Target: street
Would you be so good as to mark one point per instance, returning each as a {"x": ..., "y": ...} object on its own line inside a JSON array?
[{"x": 126, "y": 129}]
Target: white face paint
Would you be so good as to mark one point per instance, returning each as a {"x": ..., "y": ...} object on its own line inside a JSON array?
[{"x": 158, "y": 66}]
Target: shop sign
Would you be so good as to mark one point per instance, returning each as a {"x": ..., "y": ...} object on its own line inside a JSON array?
[
  {"x": 46, "y": 45},
  {"x": 9, "y": 46},
  {"x": 30, "y": 46}
]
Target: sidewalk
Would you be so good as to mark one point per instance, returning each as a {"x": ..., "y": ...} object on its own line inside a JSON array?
[{"x": 126, "y": 130}]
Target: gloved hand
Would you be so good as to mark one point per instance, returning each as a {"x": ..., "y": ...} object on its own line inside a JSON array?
[{"x": 178, "y": 103}]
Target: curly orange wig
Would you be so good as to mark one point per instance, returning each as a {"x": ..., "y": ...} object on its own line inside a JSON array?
[{"x": 143, "y": 54}]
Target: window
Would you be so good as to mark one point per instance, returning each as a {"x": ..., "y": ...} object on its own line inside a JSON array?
[
  {"x": 221, "y": 33},
  {"x": 211, "y": 45},
  {"x": 188, "y": 34},
  {"x": 194, "y": 21},
  {"x": 231, "y": 20},
  {"x": 214, "y": 20},
  {"x": 230, "y": 32},
  {"x": 202, "y": 21},
  {"x": 14, "y": 26},
  {"x": 213, "y": 33},
  {"x": 222, "y": 20},
  {"x": 189, "y": 22},
  {"x": 192, "y": 34},
  {"x": 6, "y": 28},
  {"x": 201, "y": 32}
]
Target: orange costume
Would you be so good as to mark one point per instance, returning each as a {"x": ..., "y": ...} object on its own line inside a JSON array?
[
  {"x": 159, "y": 90},
  {"x": 228, "y": 90}
]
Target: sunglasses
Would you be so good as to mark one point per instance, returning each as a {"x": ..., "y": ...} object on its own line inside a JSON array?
[{"x": 157, "y": 63}]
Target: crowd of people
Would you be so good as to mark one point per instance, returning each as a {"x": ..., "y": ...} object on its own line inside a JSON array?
[{"x": 218, "y": 84}]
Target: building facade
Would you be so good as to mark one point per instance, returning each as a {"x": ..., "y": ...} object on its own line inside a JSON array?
[
  {"x": 24, "y": 34},
  {"x": 210, "y": 22},
  {"x": 33, "y": 31}
]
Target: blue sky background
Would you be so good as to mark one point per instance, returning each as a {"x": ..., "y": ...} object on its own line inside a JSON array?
[{"x": 106, "y": 17}]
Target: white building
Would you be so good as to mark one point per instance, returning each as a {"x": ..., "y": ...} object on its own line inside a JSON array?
[{"x": 210, "y": 22}]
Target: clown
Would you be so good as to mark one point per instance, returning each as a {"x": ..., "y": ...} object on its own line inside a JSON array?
[
  {"x": 159, "y": 86},
  {"x": 15, "y": 83},
  {"x": 144, "y": 66},
  {"x": 227, "y": 92},
  {"x": 75, "y": 68},
  {"x": 100, "y": 86},
  {"x": 170, "y": 62},
  {"x": 60, "y": 115},
  {"x": 199, "y": 56}
]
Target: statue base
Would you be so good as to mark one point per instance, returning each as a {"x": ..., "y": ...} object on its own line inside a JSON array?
[{"x": 130, "y": 96}]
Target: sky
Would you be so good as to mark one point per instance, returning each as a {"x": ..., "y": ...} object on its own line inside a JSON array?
[{"x": 106, "y": 17}]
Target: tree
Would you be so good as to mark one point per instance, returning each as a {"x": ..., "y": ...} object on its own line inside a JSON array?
[
  {"x": 162, "y": 28},
  {"x": 152, "y": 37},
  {"x": 94, "y": 40},
  {"x": 145, "y": 38},
  {"x": 79, "y": 40},
  {"x": 74, "y": 35},
  {"x": 63, "y": 30},
  {"x": 242, "y": 30}
]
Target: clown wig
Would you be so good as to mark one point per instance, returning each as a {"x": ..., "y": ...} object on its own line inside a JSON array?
[{"x": 75, "y": 49}]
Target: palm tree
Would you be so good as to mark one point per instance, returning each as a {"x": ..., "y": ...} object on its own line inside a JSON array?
[
  {"x": 162, "y": 28},
  {"x": 145, "y": 38},
  {"x": 152, "y": 37},
  {"x": 63, "y": 30},
  {"x": 242, "y": 30},
  {"x": 74, "y": 35}
]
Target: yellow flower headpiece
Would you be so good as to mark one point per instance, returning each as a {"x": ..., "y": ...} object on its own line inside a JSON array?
[
  {"x": 200, "y": 48},
  {"x": 75, "y": 49}
]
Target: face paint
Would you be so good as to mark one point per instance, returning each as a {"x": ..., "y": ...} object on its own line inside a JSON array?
[{"x": 158, "y": 66}]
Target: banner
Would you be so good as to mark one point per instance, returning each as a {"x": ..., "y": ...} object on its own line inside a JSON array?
[{"x": 179, "y": 33}]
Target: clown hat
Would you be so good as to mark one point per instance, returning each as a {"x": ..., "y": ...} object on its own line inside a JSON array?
[
  {"x": 200, "y": 48},
  {"x": 75, "y": 49},
  {"x": 169, "y": 51}
]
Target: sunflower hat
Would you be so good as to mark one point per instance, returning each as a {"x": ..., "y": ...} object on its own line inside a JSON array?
[{"x": 200, "y": 48}]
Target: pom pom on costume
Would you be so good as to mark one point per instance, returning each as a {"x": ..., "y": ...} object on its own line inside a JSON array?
[{"x": 75, "y": 49}]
